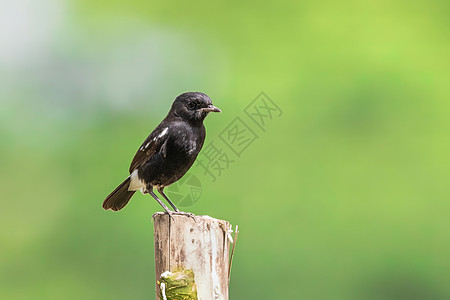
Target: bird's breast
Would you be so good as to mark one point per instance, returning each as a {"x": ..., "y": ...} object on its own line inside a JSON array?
[
  {"x": 186, "y": 141},
  {"x": 183, "y": 147},
  {"x": 175, "y": 157}
]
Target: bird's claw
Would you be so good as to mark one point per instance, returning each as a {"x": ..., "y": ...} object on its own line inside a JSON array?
[
  {"x": 190, "y": 215},
  {"x": 170, "y": 213}
]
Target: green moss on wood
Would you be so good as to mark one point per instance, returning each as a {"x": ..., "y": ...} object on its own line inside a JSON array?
[{"x": 177, "y": 285}]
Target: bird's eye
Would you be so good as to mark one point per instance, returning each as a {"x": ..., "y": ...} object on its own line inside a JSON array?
[{"x": 191, "y": 105}]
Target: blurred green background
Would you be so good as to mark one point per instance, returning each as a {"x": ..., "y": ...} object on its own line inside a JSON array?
[{"x": 345, "y": 196}]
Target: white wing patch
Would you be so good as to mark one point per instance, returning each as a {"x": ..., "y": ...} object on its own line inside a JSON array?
[
  {"x": 163, "y": 133},
  {"x": 135, "y": 182}
]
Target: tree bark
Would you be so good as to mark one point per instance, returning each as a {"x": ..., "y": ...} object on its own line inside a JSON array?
[{"x": 189, "y": 246}]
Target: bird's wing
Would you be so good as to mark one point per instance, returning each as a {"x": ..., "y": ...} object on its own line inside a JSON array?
[{"x": 152, "y": 144}]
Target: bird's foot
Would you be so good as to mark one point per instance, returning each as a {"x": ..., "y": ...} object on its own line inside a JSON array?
[
  {"x": 170, "y": 213},
  {"x": 190, "y": 215}
]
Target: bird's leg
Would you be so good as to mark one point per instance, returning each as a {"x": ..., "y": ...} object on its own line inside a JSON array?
[
  {"x": 161, "y": 191},
  {"x": 168, "y": 211}
]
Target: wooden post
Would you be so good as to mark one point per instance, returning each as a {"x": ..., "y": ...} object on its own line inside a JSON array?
[{"x": 191, "y": 257}]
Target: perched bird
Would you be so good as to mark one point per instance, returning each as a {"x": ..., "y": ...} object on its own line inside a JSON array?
[{"x": 167, "y": 153}]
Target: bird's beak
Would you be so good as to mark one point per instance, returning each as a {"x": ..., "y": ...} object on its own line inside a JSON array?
[{"x": 211, "y": 108}]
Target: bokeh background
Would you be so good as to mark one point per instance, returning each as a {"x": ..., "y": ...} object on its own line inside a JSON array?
[{"x": 344, "y": 196}]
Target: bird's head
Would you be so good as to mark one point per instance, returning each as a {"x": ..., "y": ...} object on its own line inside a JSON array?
[{"x": 193, "y": 106}]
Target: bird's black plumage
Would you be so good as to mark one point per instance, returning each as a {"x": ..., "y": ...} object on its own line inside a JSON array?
[{"x": 167, "y": 153}]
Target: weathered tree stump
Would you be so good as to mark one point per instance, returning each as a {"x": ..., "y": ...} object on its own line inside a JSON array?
[{"x": 192, "y": 257}]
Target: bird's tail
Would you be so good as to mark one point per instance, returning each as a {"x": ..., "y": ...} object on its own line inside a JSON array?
[{"x": 119, "y": 197}]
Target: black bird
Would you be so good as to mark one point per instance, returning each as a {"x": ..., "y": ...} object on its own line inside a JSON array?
[{"x": 167, "y": 153}]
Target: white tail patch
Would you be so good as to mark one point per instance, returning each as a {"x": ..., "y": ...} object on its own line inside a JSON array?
[{"x": 135, "y": 182}]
